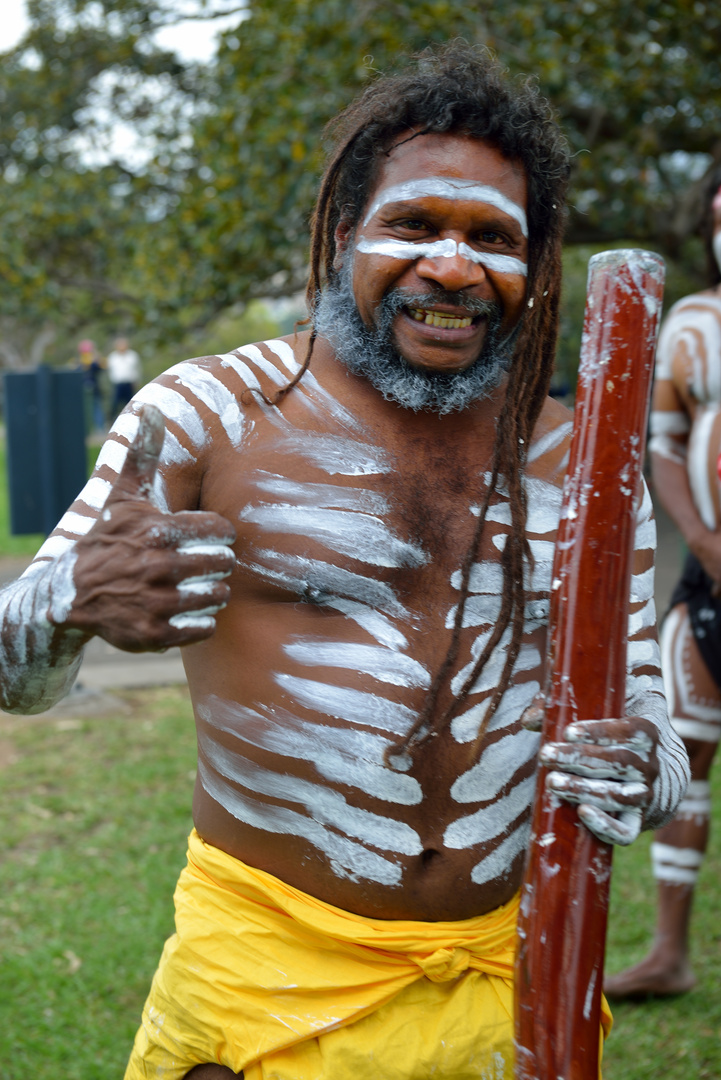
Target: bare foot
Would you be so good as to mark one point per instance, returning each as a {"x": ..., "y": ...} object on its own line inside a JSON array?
[{"x": 654, "y": 976}]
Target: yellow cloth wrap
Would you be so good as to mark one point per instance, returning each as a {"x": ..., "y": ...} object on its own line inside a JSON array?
[{"x": 259, "y": 976}]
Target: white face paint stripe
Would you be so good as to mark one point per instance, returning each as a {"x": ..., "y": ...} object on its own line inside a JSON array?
[
  {"x": 667, "y": 448},
  {"x": 529, "y": 659},
  {"x": 698, "y": 789},
  {"x": 54, "y": 547},
  {"x": 447, "y": 187},
  {"x": 694, "y": 806},
  {"x": 77, "y": 524},
  {"x": 689, "y": 719},
  {"x": 442, "y": 249},
  {"x": 112, "y": 455},
  {"x": 643, "y": 619}
]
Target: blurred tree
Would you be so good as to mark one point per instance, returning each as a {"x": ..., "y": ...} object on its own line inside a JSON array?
[{"x": 211, "y": 207}]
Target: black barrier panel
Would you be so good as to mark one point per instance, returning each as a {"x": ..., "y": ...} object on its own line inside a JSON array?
[{"x": 47, "y": 467}]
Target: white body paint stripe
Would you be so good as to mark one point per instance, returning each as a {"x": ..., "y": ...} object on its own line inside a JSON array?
[
  {"x": 359, "y": 536},
  {"x": 342, "y": 755},
  {"x": 442, "y": 249},
  {"x": 174, "y": 407},
  {"x": 337, "y": 454},
  {"x": 517, "y": 698},
  {"x": 668, "y": 423},
  {"x": 701, "y": 451},
  {"x": 344, "y": 703},
  {"x": 348, "y": 858},
  {"x": 215, "y": 396},
  {"x": 680, "y": 866},
  {"x": 499, "y": 761},
  {"x": 446, "y": 187},
  {"x": 323, "y": 804},
  {"x": 382, "y": 664},
  {"x": 498, "y": 863},
  {"x": 492, "y": 820}
]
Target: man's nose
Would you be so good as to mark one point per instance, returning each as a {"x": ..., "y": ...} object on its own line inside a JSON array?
[{"x": 451, "y": 272}]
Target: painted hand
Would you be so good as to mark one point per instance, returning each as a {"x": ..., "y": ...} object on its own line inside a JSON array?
[
  {"x": 145, "y": 579},
  {"x": 607, "y": 768}
]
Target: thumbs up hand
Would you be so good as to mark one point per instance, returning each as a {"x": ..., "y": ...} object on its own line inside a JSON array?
[{"x": 145, "y": 579}]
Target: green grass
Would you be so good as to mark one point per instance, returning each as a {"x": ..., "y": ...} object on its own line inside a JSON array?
[
  {"x": 679, "y": 1038},
  {"x": 94, "y": 818}
]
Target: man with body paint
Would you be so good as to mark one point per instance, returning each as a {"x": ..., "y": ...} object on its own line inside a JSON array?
[
  {"x": 350, "y": 531},
  {"x": 685, "y": 444}
]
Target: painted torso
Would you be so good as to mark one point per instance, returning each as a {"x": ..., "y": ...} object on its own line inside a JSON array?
[
  {"x": 353, "y": 518},
  {"x": 689, "y": 363}
]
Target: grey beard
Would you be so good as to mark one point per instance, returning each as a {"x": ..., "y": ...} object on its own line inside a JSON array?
[{"x": 370, "y": 352}]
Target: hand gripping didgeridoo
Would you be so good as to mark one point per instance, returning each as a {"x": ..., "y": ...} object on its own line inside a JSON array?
[{"x": 564, "y": 900}]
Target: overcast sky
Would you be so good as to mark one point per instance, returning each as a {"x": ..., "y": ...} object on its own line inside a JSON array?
[{"x": 194, "y": 41}]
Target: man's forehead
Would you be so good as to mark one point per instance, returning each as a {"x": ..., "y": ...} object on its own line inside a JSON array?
[{"x": 447, "y": 187}]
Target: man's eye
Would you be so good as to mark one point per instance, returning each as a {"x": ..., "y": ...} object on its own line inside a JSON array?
[
  {"x": 490, "y": 237},
  {"x": 412, "y": 225}
]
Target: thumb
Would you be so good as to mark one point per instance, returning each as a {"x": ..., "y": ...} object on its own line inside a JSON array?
[{"x": 135, "y": 479}]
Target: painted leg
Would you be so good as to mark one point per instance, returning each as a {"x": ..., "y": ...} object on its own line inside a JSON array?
[{"x": 678, "y": 849}]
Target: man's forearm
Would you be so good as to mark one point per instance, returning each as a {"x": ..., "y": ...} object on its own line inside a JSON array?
[{"x": 39, "y": 659}]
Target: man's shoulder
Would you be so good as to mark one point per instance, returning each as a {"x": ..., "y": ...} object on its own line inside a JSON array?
[
  {"x": 224, "y": 393},
  {"x": 690, "y": 308},
  {"x": 273, "y": 362},
  {"x": 246, "y": 374},
  {"x": 548, "y": 452}
]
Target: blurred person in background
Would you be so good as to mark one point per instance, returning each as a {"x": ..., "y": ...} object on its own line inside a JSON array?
[
  {"x": 685, "y": 442},
  {"x": 124, "y": 373},
  {"x": 90, "y": 363}
]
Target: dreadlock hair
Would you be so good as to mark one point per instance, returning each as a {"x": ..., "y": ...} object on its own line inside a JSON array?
[
  {"x": 706, "y": 225},
  {"x": 461, "y": 89}
]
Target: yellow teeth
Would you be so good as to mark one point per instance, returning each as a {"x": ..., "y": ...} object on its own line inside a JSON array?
[{"x": 435, "y": 318}]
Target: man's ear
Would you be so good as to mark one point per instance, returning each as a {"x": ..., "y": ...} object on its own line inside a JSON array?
[{"x": 342, "y": 236}]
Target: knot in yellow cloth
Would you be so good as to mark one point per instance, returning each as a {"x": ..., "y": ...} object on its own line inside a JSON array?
[{"x": 443, "y": 964}]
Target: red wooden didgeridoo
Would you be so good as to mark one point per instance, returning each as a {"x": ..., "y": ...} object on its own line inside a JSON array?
[{"x": 564, "y": 900}]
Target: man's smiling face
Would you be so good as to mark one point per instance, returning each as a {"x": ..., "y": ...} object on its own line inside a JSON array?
[{"x": 444, "y": 227}]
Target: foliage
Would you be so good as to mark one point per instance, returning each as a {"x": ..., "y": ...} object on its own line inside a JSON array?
[{"x": 210, "y": 206}]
